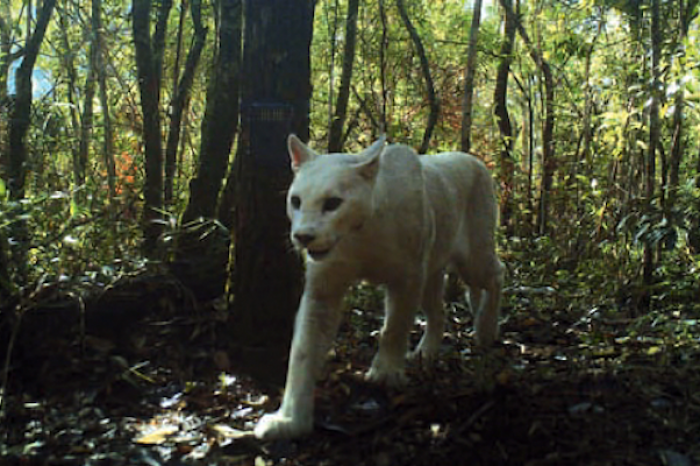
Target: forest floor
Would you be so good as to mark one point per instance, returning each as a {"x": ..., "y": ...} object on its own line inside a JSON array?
[{"x": 572, "y": 383}]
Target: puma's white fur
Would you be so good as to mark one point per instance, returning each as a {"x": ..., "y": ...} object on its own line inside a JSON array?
[{"x": 391, "y": 217}]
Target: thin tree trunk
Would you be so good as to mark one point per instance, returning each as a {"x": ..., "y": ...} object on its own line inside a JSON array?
[
  {"x": 201, "y": 260},
  {"x": 170, "y": 159},
  {"x": 20, "y": 118},
  {"x": 335, "y": 137},
  {"x": 500, "y": 95},
  {"x": 433, "y": 101},
  {"x": 332, "y": 34},
  {"x": 7, "y": 288},
  {"x": 148, "y": 60},
  {"x": 469, "y": 73},
  {"x": 19, "y": 124},
  {"x": 220, "y": 123},
  {"x": 654, "y": 133},
  {"x": 383, "y": 47},
  {"x": 181, "y": 97},
  {"x": 81, "y": 161},
  {"x": 677, "y": 143},
  {"x": 548, "y": 159},
  {"x": 68, "y": 61},
  {"x": 6, "y": 55},
  {"x": 108, "y": 141}
]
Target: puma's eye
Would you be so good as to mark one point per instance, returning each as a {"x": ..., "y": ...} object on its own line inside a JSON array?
[
  {"x": 295, "y": 201},
  {"x": 331, "y": 204}
]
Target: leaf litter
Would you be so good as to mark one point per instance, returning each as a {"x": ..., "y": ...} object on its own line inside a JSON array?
[{"x": 565, "y": 386}]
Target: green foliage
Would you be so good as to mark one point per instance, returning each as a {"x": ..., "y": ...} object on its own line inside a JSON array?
[
  {"x": 596, "y": 49},
  {"x": 71, "y": 244}
]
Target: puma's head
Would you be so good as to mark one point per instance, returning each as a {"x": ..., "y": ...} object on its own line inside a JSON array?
[{"x": 331, "y": 196}]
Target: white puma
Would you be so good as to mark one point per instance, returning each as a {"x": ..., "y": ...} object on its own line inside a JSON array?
[{"x": 391, "y": 217}]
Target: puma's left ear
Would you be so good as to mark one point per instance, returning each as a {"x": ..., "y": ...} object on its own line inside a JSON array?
[
  {"x": 299, "y": 153},
  {"x": 369, "y": 168}
]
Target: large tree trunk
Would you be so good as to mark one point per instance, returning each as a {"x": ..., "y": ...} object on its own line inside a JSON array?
[
  {"x": 500, "y": 97},
  {"x": 433, "y": 101},
  {"x": 220, "y": 121},
  {"x": 276, "y": 94},
  {"x": 469, "y": 72},
  {"x": 335, "y": 137},
  {"x": 180, "y": 98},
  {"x": 148, "y": 65}
]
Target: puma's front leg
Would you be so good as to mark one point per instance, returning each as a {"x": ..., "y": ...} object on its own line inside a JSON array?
[
  {"x": 314, "y": 330},
  {"x": 401, "y": 305}
]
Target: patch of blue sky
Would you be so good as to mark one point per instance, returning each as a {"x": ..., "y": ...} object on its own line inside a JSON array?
[{"x": 41, "y": 81}]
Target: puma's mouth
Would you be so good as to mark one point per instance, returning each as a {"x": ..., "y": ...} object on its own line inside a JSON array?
[{"x": 318, "y": 254}]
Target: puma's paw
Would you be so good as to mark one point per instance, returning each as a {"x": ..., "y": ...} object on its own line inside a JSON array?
[
  {"x": 277, "y": 426},
  {"x": 386, "y": 375},
  {"x": 426, "y": 352}
]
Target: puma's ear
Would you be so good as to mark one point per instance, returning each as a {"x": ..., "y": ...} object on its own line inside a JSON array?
[
  {"x": 299, "y": 153},
  {"x": 369, "y": 168},
  {"x": 375, "y": 149}
]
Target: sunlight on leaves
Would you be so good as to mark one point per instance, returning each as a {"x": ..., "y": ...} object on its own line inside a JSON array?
[{"x": 158, "y": 436}]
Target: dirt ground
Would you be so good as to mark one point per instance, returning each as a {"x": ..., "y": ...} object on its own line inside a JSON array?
[{"x": 568, "y": 385}]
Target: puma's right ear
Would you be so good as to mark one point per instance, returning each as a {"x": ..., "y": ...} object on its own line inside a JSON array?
[
  {"x": 299, "y": 153},
  {"x": 376, "y": 148}
]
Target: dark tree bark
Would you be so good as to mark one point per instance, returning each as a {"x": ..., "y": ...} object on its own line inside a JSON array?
[
  {"x": 181, "y": 97},
  {"x": 202, "y": 259},
  {"x": 158, "y": 40},
  {"x": 548, "y": 159},
  {"x": 6, "y": 285},
  {"x": 220, "y": 121},
  {"x": 433, "y": 101},
  {"x": 335, "y": 137},
  {"x": 148, "y": 66},
  {"x": 20, "y": 118},
  {"x": 500, "y": 97},
  {"x": 19, "y": 124},
  {"x": 276, "y": 86},
  {"x": 170, "y": 159},
  {"x": 469, "y": 73},
  {"x": 677, "y": 144}
]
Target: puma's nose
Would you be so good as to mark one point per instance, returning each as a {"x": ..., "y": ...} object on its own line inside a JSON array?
[{"x": 304, "y": 238}]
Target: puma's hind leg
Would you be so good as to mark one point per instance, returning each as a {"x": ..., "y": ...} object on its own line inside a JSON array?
[
  {"x": 433, "y": 307},
  {"x": 485, "y": 284}
]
